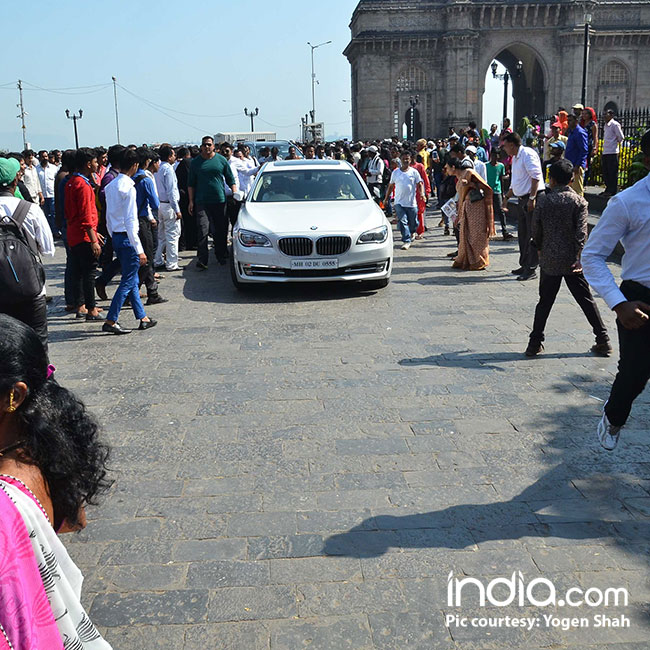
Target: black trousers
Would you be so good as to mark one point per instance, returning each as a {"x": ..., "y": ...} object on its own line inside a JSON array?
[
  {"x": 83, "y": 265},
  {"x": 145, "y": 273},
  {"x": 610, "y": 172},
  {"x": 634, "y": 362},
  {"x": 497, "y": 203},
  {"x": 211, "y": 217},
  {"x": 232, "y": 210},
  {"x": 188, "y": 239},
  {"x": 577, "y": 284},
  {"x": 528, "y": 258},
  {"x": 31, "y": 312}
]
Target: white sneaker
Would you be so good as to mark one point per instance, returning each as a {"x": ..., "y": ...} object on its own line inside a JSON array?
[
  {"x": 608, "y": 434},
  {"x": 406, "y": 246}
]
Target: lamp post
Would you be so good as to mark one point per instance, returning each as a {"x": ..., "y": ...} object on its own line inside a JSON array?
[
  {"x": 313, "y": 80},
  {"x": 74, "y": 117},
  {"x": 252, "y": 114},
  {"x": 506, "y": 78},
  {"x": 413, "y": 101},
  {"x": 585, "y": 58}
]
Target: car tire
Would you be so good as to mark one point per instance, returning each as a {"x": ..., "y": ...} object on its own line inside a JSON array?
[
  {"x": 240, "y": 286},
  {"x": 373, "y": 285}
]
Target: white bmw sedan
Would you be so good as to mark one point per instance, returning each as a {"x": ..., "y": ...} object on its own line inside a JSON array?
[{"x": 310, "y": 221}]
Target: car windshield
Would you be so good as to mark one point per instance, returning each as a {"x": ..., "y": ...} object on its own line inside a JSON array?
[
  {"x": 283, "y": 148},
  {"x": 308, "y": 185}
]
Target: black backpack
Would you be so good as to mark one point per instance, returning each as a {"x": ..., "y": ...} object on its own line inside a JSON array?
[{"x": 22, "y": 275}]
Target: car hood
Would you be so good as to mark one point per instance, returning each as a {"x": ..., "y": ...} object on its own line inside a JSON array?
[{"x": 318, "y": 216}]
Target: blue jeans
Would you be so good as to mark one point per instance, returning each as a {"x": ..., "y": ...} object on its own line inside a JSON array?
[
  {"x": 130, "y": 263},
  {"x": 48, "y": 209},
  {"x": 407, "y": 220}
]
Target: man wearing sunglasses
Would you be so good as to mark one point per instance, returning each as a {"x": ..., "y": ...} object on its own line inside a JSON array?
[{"x": 209, "y": 174}]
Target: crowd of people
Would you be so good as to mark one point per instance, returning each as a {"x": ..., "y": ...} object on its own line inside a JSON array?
[{"x": 131, "y": 209}]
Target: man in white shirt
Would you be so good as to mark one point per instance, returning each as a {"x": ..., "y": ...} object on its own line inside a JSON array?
[
  {"x": 247, "y": 170},
  {"x": 123, "y": 226},
  {"x": 611, "y": 141},
  {"x": 375, "y": 170},
  {"x": 46, "y": 175},
  {"x": 406, "y": 181},
  {"x": 30, "y": 178},
  {"x": 32, "y": 311},
  {"x": 526, "y": 181},
  {"x": 626, "y": 219},
  {"x": 169, "y": 212}
]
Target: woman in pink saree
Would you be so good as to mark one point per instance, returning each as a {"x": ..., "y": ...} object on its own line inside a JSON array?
[{"x": 51, "y": 464}]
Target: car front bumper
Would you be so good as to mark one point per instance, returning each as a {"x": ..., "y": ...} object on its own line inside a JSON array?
[{"x": 361, "y": 262}]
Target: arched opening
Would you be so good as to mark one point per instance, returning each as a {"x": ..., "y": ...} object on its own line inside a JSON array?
[
  {"x": 409, "y": 99},
  {"x": 526, "y": 83}
]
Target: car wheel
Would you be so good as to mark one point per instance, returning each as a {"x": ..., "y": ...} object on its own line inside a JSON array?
[
  {"x": 240, "y": 286},
  {"x": 372, "y": 285}
]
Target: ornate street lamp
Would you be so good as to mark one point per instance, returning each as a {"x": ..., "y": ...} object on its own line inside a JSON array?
[{"x": 506, "y": 78}]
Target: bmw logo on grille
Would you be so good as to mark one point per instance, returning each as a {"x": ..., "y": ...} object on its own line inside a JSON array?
[{"x": 314, "y": 228}]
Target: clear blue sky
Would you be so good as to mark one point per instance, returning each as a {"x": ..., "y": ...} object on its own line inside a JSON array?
[{"x": 209, "y": 58}]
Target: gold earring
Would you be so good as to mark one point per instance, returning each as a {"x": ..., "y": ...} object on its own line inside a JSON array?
[{"x": 12, "y": 407}]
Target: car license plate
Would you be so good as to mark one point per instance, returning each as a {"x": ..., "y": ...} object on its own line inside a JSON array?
[{"x": 304, "y": 265}]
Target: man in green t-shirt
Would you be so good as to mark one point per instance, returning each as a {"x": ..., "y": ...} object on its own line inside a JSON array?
[
  {"x": 207, "y": 200},
  {"x": 495, "y": 172}
]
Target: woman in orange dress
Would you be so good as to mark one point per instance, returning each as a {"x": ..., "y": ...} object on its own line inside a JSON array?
[{"x": 475, "y": 218}]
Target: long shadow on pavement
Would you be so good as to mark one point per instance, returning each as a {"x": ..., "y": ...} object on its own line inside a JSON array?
[{"x": 587, "y": 493}]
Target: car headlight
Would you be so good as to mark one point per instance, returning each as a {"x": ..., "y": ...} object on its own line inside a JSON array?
[
  {"x": 376, "y": 236},
  {"x": 249, "y": 238}
]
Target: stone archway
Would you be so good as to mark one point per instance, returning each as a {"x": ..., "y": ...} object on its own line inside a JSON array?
[{"x": 526, "y": 69}]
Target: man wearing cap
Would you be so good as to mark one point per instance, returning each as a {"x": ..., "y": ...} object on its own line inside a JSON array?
[
  {"x": 375, "y": 176},
  {"x": 557, "y": 150},
  {"x": 577, "y": 150},
  {"x": 555, "y": 136},
  {"x": 33, "y": 312},
  {"x": 626, "y": 219},
  {"x": 577, "y": 110},
  {"x": 611, "y": 140},
  {"x": 479, "y": 165}
]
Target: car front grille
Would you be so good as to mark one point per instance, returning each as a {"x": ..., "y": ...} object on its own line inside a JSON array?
[
  {"x": 296, "y": 246},
  {"x": 333, "y": 245}
]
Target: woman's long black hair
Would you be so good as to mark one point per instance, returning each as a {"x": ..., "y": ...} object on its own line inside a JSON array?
[{"x": 60, "y": 436}]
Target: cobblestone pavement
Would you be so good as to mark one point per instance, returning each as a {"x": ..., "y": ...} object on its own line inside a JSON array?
[{"x": 302, "y": 467}]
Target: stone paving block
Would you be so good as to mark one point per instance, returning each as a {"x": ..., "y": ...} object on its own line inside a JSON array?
[
  {"x": 206, "y": 550},
  {"x": 172, "y": 607},
  {"x": 227, "y": 573},
  {"x": 314, "y": 569},
  {"x": 285, "y": 546},
  {"x": 141, "y": 577},
  {"x": 328, "y": 522},
  {"x": 252, "y": 524},
  {"x": 418, "y": 630},
  {"x": 155, "y": 637},
  {"x": 228, "y": 636},
  {"x": 372, "y": 447},
  {"x": 252, "y": 603},
  {"x": 203, "y": 526},
  {"x": 322, "y": 633},
  {"x": 341, "y": 598}
]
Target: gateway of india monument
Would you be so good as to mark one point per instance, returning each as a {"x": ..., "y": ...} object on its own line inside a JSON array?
[{"x": 437, "y": 52}]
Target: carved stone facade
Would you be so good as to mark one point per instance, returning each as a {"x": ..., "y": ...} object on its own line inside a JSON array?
[{"x": 438, "y": 52}]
